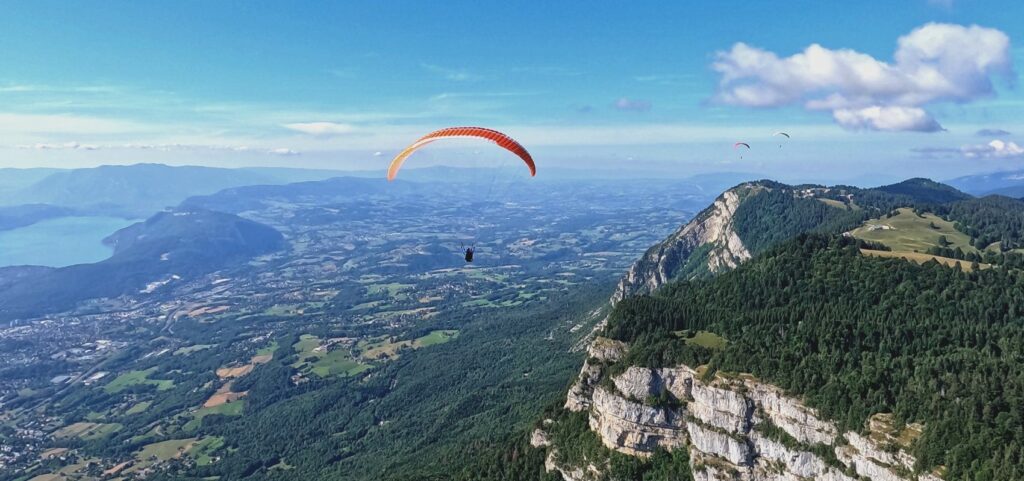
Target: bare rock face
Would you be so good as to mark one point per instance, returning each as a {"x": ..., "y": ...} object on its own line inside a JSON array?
[
  {"x": 803, "y": 465},
  {"x": 608, "y": 350},
  {"x": 790, "y": 414},
  {"x": 539, "y": 439},
  {"x": 578, "y": 398},
  {"x": 721, "y": 408},
  {"x": 663, "y": 262},
  {"x": 633, "y": 428},
  {"x": 590, "y": 473},
  {"x": 719, "y": 420},
  {"x": 731, "y": 448},
  {"x": 601, "y": 350}
]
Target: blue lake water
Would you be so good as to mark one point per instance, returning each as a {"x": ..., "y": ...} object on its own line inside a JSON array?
[{"x": 59, "y": 242}]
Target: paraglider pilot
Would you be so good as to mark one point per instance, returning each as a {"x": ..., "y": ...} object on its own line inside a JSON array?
[{"x": 469, "y": 253}]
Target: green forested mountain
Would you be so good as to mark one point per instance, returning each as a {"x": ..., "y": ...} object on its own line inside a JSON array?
[
  {"x": 851, "y": 334},
  {"x": 856, "y": 336},
  {"x": 990, "y": 219},
  {"x": 769, "y": 217},
  {"x": 924, "y": 191}
]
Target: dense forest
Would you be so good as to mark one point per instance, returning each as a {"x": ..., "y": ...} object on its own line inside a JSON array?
[
  {"x": 365, "y": 427},
  {"x": 990, "y": 219},
  {"x": 857, "y": 335},
  {"x": 772, "y": 216}
]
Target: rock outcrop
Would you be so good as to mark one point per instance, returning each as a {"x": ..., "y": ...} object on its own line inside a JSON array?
[
  {"x": 735, "y": 427},
  {"x": 710, "y": 231}
]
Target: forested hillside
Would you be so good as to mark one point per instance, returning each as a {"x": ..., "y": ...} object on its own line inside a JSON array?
[
  {"x": 856, "y": 336},
  {"x": 828, "y": 309}
]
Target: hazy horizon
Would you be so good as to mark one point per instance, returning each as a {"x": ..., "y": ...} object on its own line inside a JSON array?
[{"x": 929, "y": 92}]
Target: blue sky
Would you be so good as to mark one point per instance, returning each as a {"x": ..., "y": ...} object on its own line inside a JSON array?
[{"x": 660, "y": 86}]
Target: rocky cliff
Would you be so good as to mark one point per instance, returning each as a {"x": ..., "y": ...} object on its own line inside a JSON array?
[
  {"x": 707, "y": 244},
  {"x": 735, "y": 427}
]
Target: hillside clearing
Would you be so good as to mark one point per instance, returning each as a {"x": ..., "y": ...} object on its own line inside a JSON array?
[{"x": 909, "y": 232}]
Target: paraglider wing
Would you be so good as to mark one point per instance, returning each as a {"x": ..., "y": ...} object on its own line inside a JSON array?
[
  {"x": 499, "y": 138},
  {"x": 776, "y": 134},
  {"x": 737, "y": 144}
]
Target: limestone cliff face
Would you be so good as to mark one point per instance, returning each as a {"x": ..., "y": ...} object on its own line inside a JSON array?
[
  {"x": 735, "y": 427},
  {"x": 711, "y": 230}
]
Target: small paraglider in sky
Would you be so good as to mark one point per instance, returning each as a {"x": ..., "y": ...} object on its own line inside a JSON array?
[
  {"x": 499, "y": 138},
  {"x": 780, "y": 134},
  {"x": 739, "y": 145}
]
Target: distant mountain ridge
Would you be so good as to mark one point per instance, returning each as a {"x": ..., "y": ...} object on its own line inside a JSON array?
[
  {"x": 1008, "y": 183},
  {"x": 139, "y": 190}
]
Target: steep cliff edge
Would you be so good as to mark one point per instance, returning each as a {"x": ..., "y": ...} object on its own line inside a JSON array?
[
  {"x": 739, "y": 224},
  {"x": 734, "y": 427},
  {"x": 706, "y": 244}
]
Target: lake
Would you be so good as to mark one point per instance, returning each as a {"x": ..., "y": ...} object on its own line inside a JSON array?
[{"x": 59, "y": 242}]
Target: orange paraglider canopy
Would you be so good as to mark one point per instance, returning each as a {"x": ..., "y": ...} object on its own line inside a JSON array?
[{"x": 499, "y": 138}]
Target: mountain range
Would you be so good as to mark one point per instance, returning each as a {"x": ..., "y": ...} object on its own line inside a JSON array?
[{"x": 134, "y": 191}]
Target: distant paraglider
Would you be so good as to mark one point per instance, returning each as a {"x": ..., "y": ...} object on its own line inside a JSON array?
[
  {"x": 739, "y": 145},
  {"x": 782, "y": 134},
  {"x": 499, "y": 138}
]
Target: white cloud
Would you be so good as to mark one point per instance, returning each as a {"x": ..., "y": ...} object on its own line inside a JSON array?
[
  {"x": 890, "y": 119},
  {"x": 634, "y": 105},
  {"x": 322, "y": 129},
  {"x": 933, "y": 63},
  {"x": 283, "y": 151},
  {"x": 995, "y": 149}
]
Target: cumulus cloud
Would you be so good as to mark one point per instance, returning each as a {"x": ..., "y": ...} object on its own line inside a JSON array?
[
  {"x": 890, "y": 119},
  {"x": 995, "y": 149},
  {"x": 634, "y": 105},
  {"x": 991, "y": 133},
  {"x": 321, "y": 129},
  {"x": 933, "y": 63},
  {"x": 283, "y": 151}
]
